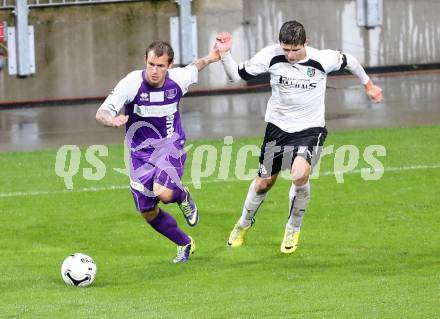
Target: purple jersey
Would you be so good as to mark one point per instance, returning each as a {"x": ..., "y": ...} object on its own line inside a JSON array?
[
  {"x": 154, "y": 132},
  {"x": 154, "y": 118}
]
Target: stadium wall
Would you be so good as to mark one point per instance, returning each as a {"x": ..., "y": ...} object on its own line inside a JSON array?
[{"x": 84, "y": 50}]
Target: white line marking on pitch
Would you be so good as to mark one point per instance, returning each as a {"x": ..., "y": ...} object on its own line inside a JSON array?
[{"x": 117, "y": 187}]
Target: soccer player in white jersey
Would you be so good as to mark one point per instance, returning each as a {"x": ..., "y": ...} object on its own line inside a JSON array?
[
  {"x": 155, "y": 138},
  {"x": 295, "y": 130}
]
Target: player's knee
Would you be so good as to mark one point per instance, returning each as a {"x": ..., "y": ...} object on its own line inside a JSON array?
[
  {"x": 301, "y": 178},
  {"x": 263, "y": 185},
  {"x": 301, "y": 181},
  {"x": 300, "y": 171},
  {"x": 164, "y": 194},
  {"x": 166, "y": 198}
]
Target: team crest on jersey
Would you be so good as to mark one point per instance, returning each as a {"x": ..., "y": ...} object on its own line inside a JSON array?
[
  {"x": 311, "y": 72},
  {"x": 144, "y": 97},
  {"x": 171, "y": 93}
]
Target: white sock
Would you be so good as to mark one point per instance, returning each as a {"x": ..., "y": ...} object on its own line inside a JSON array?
[
  {"x": 251, "y": 205},
  {"x": 299, "y": 196}
]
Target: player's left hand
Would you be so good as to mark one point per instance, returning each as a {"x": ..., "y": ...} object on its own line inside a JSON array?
[{"x": 374, "y": 92}]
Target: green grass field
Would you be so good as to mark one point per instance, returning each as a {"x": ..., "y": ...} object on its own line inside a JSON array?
[{"x": 368, "y": 249}]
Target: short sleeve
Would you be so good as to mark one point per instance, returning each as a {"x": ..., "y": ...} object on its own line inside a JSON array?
[
  {"x": 257, "y": 65},
  {"x": 185, "y": 76},
  {"x": 123, "y": 93},
  {"x": 332, "y": 60}
]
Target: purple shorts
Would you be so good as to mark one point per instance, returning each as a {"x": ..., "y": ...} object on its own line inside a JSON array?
[{"x": 145, "y": 171}]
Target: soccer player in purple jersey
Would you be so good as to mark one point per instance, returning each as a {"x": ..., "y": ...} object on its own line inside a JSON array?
[{"x": 155, "y": 138}]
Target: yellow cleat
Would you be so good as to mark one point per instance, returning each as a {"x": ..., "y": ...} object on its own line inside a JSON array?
[
  {"x": 236, "y": 238},
  {"x": 290, "y": 241}
]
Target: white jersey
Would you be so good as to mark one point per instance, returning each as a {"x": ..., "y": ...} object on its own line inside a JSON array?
[{"x": 298, "y": 89}]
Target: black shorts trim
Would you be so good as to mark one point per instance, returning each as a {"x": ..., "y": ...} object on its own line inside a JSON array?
[{"x": 280, "y": 148}]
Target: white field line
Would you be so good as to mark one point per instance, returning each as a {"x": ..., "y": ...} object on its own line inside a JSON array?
[{"x": 212, "y": 181}]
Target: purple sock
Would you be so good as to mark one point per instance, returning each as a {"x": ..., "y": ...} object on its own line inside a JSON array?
[
  {"x": 179, "y": 195},
  {"x": 165, "y": 224}
]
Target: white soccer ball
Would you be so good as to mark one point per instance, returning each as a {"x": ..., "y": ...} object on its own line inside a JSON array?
[{"x": 78, "y": 270}]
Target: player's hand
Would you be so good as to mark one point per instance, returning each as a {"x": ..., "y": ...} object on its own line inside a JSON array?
[
  {"x": 119, "y": 120},
  {"x": 374, "y": 92},
  {"x": 214, "y": 55},
  {"x": 223, "y": 42}
]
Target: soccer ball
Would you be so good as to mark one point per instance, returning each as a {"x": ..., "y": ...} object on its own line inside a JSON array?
[{"x": 78, "y": 270}]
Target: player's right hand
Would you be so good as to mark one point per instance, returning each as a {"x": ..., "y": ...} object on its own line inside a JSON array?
[
  {"x": 223, "y": 42},
  {"x": 120, "y": 120},
  {"x": 214, "y": 55}
]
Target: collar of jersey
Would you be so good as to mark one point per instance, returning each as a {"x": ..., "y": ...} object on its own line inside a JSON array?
[{"x": 144, "y": 78}]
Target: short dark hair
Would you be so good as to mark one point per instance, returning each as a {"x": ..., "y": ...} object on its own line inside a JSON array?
[
  {"x": 160, "y": 48},
  {"x": 292, "y": 32}
]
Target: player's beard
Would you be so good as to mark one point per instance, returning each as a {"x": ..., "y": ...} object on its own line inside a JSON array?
[{"x": 155, "y": 81}]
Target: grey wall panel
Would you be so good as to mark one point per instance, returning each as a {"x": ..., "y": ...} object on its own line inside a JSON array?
[{"x": 85, "y": 50}]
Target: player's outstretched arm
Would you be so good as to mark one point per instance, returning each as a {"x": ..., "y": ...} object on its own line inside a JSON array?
[
  {"x": 105, "y": 118},
  {"x": 212, "y": 57},
  {"x": 373, "y": 91},
  {"x": 223, "y": 42}
]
